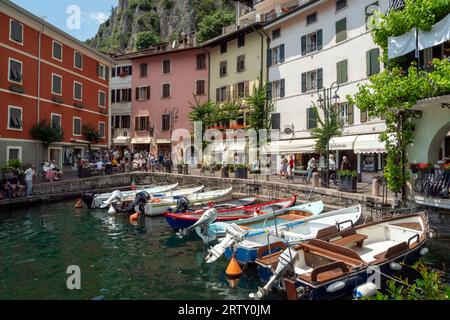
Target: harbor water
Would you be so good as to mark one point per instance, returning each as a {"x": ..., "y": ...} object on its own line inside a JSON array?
[{"x": 117, "y": 260}]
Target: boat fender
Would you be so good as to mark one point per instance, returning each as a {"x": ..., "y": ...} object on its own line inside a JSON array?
[
  {"x": 367, "y": 289},
  {"x": 395, "y": 266},
  {"x": 336, "y": 286},
  {"x": 111, "y": 210},
  {"x": 79, "y": 204},
  {"x": 423, "y": 251},
  {"x": 233, "y": 269},
  {"x": 135, "y": 217},
  {"x": 155, "y": 200}
]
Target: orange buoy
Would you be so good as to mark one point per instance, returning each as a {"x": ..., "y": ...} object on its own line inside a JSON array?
[
  {"x": 233, "y": 269},
  {"x": 79, "y": 204},
  {"x": 135, "y": 217}
]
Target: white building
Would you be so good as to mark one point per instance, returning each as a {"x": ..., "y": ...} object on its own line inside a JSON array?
[
  {"x": 121, "y": 95},
  {"x": 314, "y": 44}
]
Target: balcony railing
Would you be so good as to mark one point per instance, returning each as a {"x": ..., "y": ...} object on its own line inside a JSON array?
[{"x": 435, "y": 183}]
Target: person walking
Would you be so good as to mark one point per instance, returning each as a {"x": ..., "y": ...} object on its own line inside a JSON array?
[
  {"x": 284, "y": 165},
  {"x": 346, "y": 165},
  {"x": 291, "y": 165},
  {"x": 29, "y": 173},
  {"x": 312, "y": 167}
]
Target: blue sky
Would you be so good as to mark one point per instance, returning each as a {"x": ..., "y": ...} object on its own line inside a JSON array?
[{"x": 93, "y": 12}]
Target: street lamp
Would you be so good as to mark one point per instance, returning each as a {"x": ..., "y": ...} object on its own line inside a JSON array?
[{"x": 328, "y": 98}]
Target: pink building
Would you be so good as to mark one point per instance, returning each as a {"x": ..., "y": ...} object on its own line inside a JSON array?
[{"x": 165, "y": 83}]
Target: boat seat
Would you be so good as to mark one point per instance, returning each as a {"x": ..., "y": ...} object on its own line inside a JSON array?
[
  {"x": 325, "y": 232},
  {"x": 291, "y": 217},
  {"x": 333, "y": 251},
  {"x": 392, "y": 252},
  {"x": 409, "y": 225},
  {"x": 356, "y": 238},
  {"x": 325, "y": 273}
]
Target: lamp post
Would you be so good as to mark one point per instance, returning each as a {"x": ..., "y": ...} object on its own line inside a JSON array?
[{"x": 328, "y": 98}]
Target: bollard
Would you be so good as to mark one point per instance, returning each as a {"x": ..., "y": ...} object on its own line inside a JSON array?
[
  {"x": 375, "y": 187},
  {"x": 315, "y": 179}
]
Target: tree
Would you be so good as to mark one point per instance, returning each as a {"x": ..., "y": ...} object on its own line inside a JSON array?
[
  {"x": 47, "y": 133},
  {"x": 261, "y": 108},
  {"x": 211, "y": 25},
  {"x": 145, "y": 39},
  {"x": 328, "y": 127},
  {"x": 91, "y": 134}
]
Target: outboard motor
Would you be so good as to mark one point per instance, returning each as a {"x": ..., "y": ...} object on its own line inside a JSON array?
[
  {"x": 88, "y": 198},
  {"x": 182, "y": 205},
  {"x": 208, "y": 217},
  {"x": 140, "y": 201}
]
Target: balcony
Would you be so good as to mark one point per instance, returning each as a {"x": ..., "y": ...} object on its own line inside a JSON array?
[{"x": 268, "y": 10}]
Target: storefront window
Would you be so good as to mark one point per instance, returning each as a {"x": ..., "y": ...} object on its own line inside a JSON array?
[{"x": 369, "y": 162}]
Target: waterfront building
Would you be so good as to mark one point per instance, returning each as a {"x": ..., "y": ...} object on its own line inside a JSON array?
[
  {"x": 167, "y": 80},
  {"x": 48, "y": 75},
  {"x": 121, "y": 96}
]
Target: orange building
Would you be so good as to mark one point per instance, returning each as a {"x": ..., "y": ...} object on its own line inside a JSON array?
[{"x": 46, "y": 74}]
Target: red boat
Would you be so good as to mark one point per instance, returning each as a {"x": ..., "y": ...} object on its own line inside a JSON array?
[{"x": 184, "y": 220}]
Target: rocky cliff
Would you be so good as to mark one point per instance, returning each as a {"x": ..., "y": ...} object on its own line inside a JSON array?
[{"x": 162, "y": 20}]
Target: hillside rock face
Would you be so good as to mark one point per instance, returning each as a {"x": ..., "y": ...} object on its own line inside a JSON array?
[{"x": 166, "y": 19}]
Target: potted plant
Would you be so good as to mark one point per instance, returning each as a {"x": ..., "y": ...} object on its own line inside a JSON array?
[
  {"x": 414, "y": 167},
  {"x": 425, "y": 167},
  {"x": 241, "y": 171},
  {"x": 347, "y": 180}
]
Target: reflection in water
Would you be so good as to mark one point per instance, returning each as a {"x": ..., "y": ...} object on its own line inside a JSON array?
[{"x": 117, "y": 260}]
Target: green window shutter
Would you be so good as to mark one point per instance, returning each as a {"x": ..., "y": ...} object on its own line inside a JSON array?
[
  {"x": 269, "y": 57},
  {"x": 375, "y": 64},
  {"x": 217, "y": 94},
  {"x": 350, "y": 113},
  {"x": 363, "y": 115},
  {"x": 319, "y": 78},
  {"x": 319, "y": 39},
  {"x": 304, "y": 82},
  {"x": 341, "y": 30},
  {"x": 282, "y": 90},
  {"x": 275, "y": 121},
  {"x": 307, "y": 118},
  {"x": 282, "y": 53},
  {"x": 342, "y": 71},
  {"x": 269, "y": 91},
  {"x": 369, "y": 63},
  {"x": 303, "y": 42}
]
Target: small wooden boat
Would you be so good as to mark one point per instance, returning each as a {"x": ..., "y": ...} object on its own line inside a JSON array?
[
  {"x": 341, "y": 261},
  {"x": 266, "y": 218},
  {"x": 245, "y": 243},
  {"x": 182, "y": 221},
  {"x": 96, "y": 200},
  {"x": 158, "y": 206}
]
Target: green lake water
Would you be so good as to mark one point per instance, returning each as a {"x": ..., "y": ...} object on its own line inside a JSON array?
[{"x": 117, "y": 260}]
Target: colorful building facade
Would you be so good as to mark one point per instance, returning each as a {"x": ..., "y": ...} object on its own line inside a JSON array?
[{"x": 47, "y": 75}]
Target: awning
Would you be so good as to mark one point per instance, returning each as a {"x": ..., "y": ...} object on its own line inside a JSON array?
[
  {"x": 121, "y": 140},
  {"x": 342, "y": 143},
  {"x": 292, "y": 146},
  {"x": 163, "y": 141},
  {"x": 369, "y": 144},
  {"x": 143, "y": 140}
]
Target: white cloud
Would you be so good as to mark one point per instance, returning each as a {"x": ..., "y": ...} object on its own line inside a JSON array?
[{"x": 95, "y": 17}]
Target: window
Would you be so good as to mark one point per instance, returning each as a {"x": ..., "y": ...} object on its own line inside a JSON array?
[
  {"x": 101, "y": 129},
  {"x": 16, "y": 31},
  {"x": 312, "y": 18},
  {"x": 241, "y": 63},
  {"x": 312, "y": 42},
  {"x": 370, "y": 10},
  {"x": 165, "y": 122},
  {"x": 123, "y": 71},
  {"x": 77, "y": 91},
  {"x": 101, "y": 71},
  {"x": 278, "y": 88},
  {"x": 221, "y": 94},
  {"x": 241, "y": 89},
  {"x": 346, "y": 113},
  {"x": 372, "y": 62},
  {"x": 223, "y": 69},
  {"x": 201, "y": 61},
  {"x": 275, "y": 55},
  {"x": 102, "y": 99},
  {"x": 276, "y": 125},
  {"x": 142, "y": 93},
  {"x": 13, "y": 153},
  {"x": 312, "y": 80},
  {"x": 341, "y": 4},
  {"x": 311, "y": 118},
  {"x": 142, "y": 123},
  {"x": 116, "y": 122},
  {"x": 166, "y": 90},
  {"x": 125, "y": 122},
  {"x": 56, "y": 84},
  {"x": 341, "y": 30},
  {"x": 76, "y": 126},
  {"x": 15, "y": 118},
  {"x": 200, "y": 87},
  {"x": 223, "y": 47},
  {"x": 342, "y": 76},
  {"x": 57, "y": 51},
  {"x": 113, "y": 72},
  {"x": 241, "y": 41},
  {"x": 143, "y": 67},
  {"x": 124, "y": 94},
  {"x": 56, "y": 121},
  {"x": 276, "y": 33},
  {"x": 166, "y": 66},
  {"x": 78, "y": 60},
  {"x": 15, "y": 71}
]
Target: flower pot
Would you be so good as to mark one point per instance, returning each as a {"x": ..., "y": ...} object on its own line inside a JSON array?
[
  {"x": 241, "y": 173},
  {"x": 180, "y": 169},
  {"x": 347, "y": 184},
  {"x": 185, "y": 169},
  {"x": 225, "y": 173}
]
